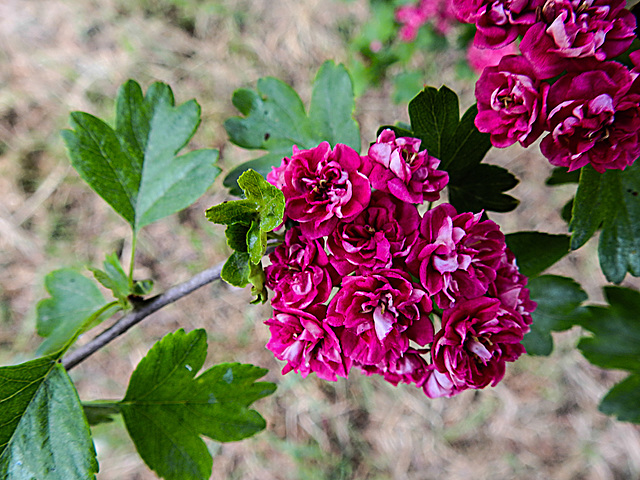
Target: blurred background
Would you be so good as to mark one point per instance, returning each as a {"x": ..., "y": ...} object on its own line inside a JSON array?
[{"x": 541, "y": 422}]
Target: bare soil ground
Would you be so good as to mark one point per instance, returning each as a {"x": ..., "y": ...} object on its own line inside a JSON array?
[{"x": 541, "y": 422}]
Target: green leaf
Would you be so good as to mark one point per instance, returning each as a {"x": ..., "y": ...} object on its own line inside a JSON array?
[
  {"x": 612, "y": 201},
  {"x": 237, "y": 236},
  {"x": 275, "y": 119},
  {"x": 616, "y": 331},
  {"x": 234, "y": 211},
  {"x": 114, "y": 278},
  {"x": 43, "y": 432},
  {"x": 166, "y": 409},
  {"x": 263, "y": 165},
  {"x": 236, "y": 269},
  {"x": 561, "y": 176},
  {"x": 269, "y": 199},
  {"x": 434, "y": 118},
  {"x": 100, "y": 412},
  {"x": 481, "y": 188},
  {"x": 537, "y": 251},
  {"x": 332, "y": 106},
  {"x": 256, "y": 243},
  {"x": 460, "y": 146},
  {"x": 135, "y": 167},
  {"x": 253, "y": 217},
  {"x": 74, "y": 300},
  {"x": 559, "y": 308},
  {"x": 142, "y": 287},
  {"x": 623, "y": 400}
]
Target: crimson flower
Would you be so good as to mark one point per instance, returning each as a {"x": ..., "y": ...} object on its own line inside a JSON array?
[
  {"x": 323, "y": 186},
  {"x": 594, "y": 117},
  {"x": 575, "y": 30},
  {"x": 476, "y": 339},
  {"x": 306, "y": 343},
  {"x": 511, "y": 102}
]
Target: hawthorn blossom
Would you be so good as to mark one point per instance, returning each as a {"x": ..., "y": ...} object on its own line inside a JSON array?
[
  {"x": 594, "y": 118},
  {"x": 510, "y": 288},
  {"x": 476, "y": 339},
  {"x": 412, "y": 17},
  {"x": 511, "y": 102},
  {"x": 380, "y": 312},
  {"x": 456, "y": 255},
  {"x": 410, "y": 368},
  {"x": 498, "y": 22},
  {"x": 573, "y": 30},
  {"x": 481, "y": 58},
  {"x": 438, "y": 384},
  {"x": 383, "y": 232},
  {"x": 306, "y": 343},
  {"x": 323, "y": 186},
  {"x": 300, "y": 273},
  {"x": 399, "y": 168}
]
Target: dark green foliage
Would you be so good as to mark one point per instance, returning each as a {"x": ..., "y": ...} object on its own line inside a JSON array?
[
  {"x": 435, "y": 120},
  {"x": 537, "y": 251},
  {"x": 167, "y": 408},
  {"x": 560, "y": 307},
  {"x": 610, "y": 201}
]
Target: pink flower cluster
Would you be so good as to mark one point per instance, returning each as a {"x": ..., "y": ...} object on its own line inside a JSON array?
[
  {"x": 440, "y": 12},
  {"x": 592, "y": 113},
  {"x": 360, "y": 271}
]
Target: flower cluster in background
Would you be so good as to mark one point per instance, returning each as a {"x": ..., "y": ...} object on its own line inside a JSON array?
[
  {"x": 590, "y": 116},
  {"x": 439, "y": 12},
  {"x": 360, "y": 273},
  {"x": 592, "y": 113}
]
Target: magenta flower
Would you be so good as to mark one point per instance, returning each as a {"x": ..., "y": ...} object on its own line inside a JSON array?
[
  {"x": 380, "y": 312},
  {"x": 322, "y": 187},
  {"x": 412, "y": 17},
  {"x": 476, "y": 339},
  {"x": 384, "y": 231},
  {"x": 511, "y": 102},
  {"x": 498, "y": 22},
  {"x": 594, "y": 117},
  {"x": 510, "y": 288},
  {"x": 481, "y": 58},
  {"x": 300, "y": 338},
  {"x": 437, "y": 384},
  {"x": 300, "y": 273},
  {"x": 571, "y": 30},
  {"x": 400, "y": 169},
  {"x": 456, "y": 256},
  {"x": 410, "y": 368}
]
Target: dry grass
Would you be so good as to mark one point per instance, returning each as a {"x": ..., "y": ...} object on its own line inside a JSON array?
[{"x": 540, "y": 423}]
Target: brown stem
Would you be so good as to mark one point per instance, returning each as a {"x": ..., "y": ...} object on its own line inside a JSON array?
[{"x": 140, "y": 312}]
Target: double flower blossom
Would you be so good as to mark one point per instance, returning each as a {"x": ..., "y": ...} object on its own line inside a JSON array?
[
  {"x": 360, "y": 273},
  {"x": 592, "y": 113}
]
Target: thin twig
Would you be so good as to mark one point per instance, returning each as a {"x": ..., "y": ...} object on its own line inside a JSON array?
[{"x": 140, "y": 313}]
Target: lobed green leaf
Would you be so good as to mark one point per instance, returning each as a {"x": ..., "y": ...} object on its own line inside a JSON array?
[
  {"x": 167, "y": 408},
  {"x": 559, "y": 308},
  {"x": 275, "y": 119},
  {"x": 460, "y": 146},
  {"x": 623, "y": 400},
  {"x": 616, "y": 331},
  {"x": 135, "y": 167},
  {"x": 611, "y": 201},
  {"x": 74, "y": 301}
]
